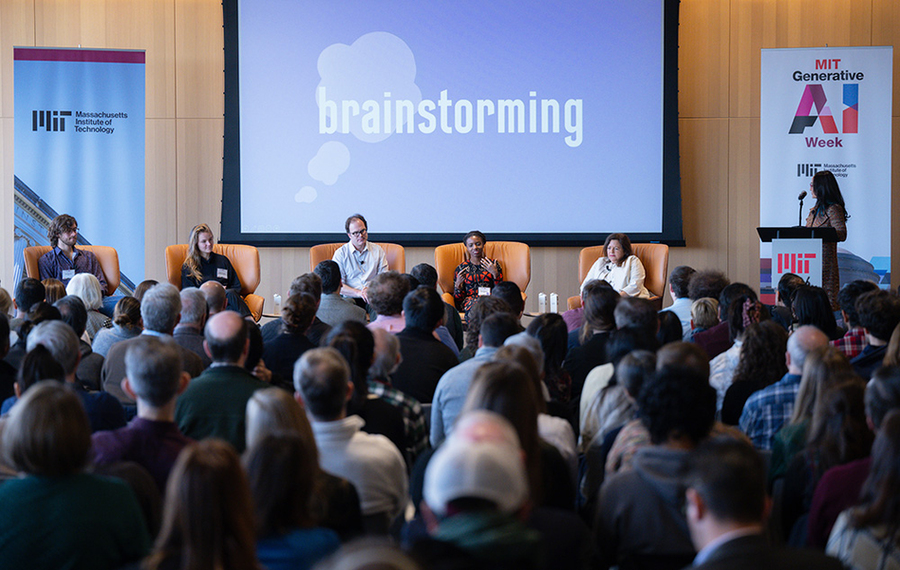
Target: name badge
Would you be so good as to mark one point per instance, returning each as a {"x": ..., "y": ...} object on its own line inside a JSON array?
[
  {"x": 221, "y": 273},
  {"x": 484, "y": 291},
  {"x": 68, "y": 274}
]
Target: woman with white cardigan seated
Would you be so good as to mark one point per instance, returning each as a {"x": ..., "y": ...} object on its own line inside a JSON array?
[{"x": 620, "y": 268}]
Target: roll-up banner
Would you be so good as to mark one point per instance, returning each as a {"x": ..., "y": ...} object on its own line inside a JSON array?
[
  {"x": 79, "y": 149},
  {"x": 828, "y": 109}
]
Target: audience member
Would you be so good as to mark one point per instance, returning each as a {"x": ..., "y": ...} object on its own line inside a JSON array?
[
  {"x": 7, "y": 372},
  {"x": 371, "y": 462},
  {"x": 334, "y": 309},
  {"x": 54, "y": 290},
  {"x": 427, "y": 276},
  {"x": 679, "y": 284},
  {"x": 743, "y": 312},
  {"x": 769, "y": 409},
  {"x": 707, "y": 284},
  {"x": 216, "y": 299},
  {"x": 387, "y": 359},
  {"x": 425, "y": 359},
  {"x": 866, "y": 536},
  {"x": 336, "y": 502},
  {"x": 812, "y": 307},
  {"x": 761, "y": 364},
  {"x": 452, "y": 388},
  {"x": 208, "y": 513},
  {"x": 28, "y": 293},
  {"x": 727, "y": 510},
  {"x": 282, "y": 469},
  {"x": 879, "y": 314},
  {"x": 160, "y": 313},
  {"x": 6, "y": 303},
  {"x": 143, "y": 287},
  {"x": 127, "y": 324},
  {"x": 704, "y": 315},
  {"x": 639, "y": 316},
  {"x": 74, "y": 314},
  {"x": 482, "y": 309},
  {"x": 782, "y": 312},
  {"x": 717, "y": 339},
  {"x": 510, "y": 292},
  {"x": 550, "y": 330},
  {"x": 214, "y": 403},
  {"x": 86, "y": 287},
  {"x": 311, "y": 284},
  {"x": 154, "y": 378},
  {"x": 639, "y": 521},
  {"x": 385, "y": 294},
  {"x": 281, "y": 352},
  {"x": 38, "y": 313},
  {"x": 38, "y": 365},
  {"x": 359, "y": 259},
  {"x": 56, "y": 515},
  {"x": 188, "y": 332},
  {"x": 669, "y": 328},
  {"x": 854, "y": 341}
]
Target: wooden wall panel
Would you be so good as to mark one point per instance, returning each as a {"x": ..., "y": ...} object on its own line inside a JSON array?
[
  {"x": 753, "y": 26},
  {"x": 16, "y": 29},
  {"x": 199, "y": 174},
  {"x": 886, "y": 32},
  {"x": 159, "y": 196},
  {"x": 200, "y": 59},
  {"x": 743, "y": 201},
  {"x": 703, "y": 59}
]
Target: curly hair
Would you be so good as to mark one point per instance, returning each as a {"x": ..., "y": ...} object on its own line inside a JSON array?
[
  {"x": 482, "y": 309},
  {"x": 677, "y": 402},
  {"x": 61, "y": 223},
  {"x": 707, "y": 283},
  {"x": 762, "y": 354},
  {"x": 386, "y": 293}
]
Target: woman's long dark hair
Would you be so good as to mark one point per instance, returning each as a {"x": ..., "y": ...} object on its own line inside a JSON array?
[
  {"x": 880, "y": 495},
  {"x": 357, "y": 345},
  {"x": 812, "y": 307},
  {"x": 827, "y": 191}
]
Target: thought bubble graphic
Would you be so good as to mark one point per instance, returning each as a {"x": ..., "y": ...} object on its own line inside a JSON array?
[
  {"x": 376, "y": 68},
  {"x": 306, "y": 195},
  {"x": 330, "y": 162}
]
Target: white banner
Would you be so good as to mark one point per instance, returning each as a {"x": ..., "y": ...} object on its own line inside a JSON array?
[{"x": 829, "y": 109}]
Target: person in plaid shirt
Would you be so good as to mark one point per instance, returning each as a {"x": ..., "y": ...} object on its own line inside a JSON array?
[
  {"x": 767, "y": 410},
  {"x": 852, "y": 343},
  {"x": 387, "y": 358}
]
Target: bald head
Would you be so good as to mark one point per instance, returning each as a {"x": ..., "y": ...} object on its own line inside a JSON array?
[
  {"x": 804, "y": 340},
  {"x": 226, "y": 338},
  {"x": 215, "y": 296}
]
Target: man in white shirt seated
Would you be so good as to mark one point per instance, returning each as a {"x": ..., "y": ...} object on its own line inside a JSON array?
[{"x": 359, "y": 260}]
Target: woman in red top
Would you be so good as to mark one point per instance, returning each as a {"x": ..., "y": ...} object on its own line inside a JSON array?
[{"x": 476, "y": 276}]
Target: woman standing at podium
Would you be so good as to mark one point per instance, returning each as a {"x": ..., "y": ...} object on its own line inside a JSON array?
[{"x": 828, "y": 211}]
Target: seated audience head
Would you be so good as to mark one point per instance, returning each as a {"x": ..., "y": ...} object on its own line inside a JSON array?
[
  {"x": 208, "y": 512},
  {"x": 425, "y": 274},
  {"x": 423, "y": 309},
  {"x": 707, "y": 283},
  {"x": 683, "y": 354},
  {"x": 60, "y": 340},
  {"x": 637, "y": 314},
  {"x": 812, "y": 307},
  {"x": 761, "y": 358},
  {"x": 704, "y": 313},
  {"x": 882, "y": 395},
  {"x": 307, "y": 283},
  {"x": 86, "y": 287},
  {"x": 29, "y": 292},
  {"x": 524, "y": 355},
  {"x": 482, "y": 309},
  {"x": 143, "y": 287},
  {"x": 824, "y": 367},
  {"x": 62, "y": 224},
  {"x": 677, "y": 406},
  {"x": 496, "y": 328},
  {"x": 193, "y": 307},
  {"x": 387, "y": 355},
  {"x": 838, "y": 432},
  {"x": 256, "y": 347},
  {"x": 153, "y": 371},
  {"x": 680, "y": 280},
  {"x": 880, "y": 496},
  {"x": 551, "y": 331},
  {"x": 788, "y": 283},
  {"x": 6, "y": 302},
  {"x": 743, "y": 312},
  {"x": 38, "y": 365},
  {"x": 161, "y": 308},
  {"x": 725, "y": 489},
  {"x": 330, "y": 274},
  {"x": 848, "y": 296},
  {"x": 356, "y": 344},
  {"x": 127, "y": 313},
  {"x": 298, "y": 313},
  {"x": 411, "y": 281},
  {"x": 39, "y": 313},
  {"x": 478, "y": 468},
  {"x": 879, "y": 313},
  {"x": 730, "y": 293},
  {"x": 322, "y": 380},
  {"x": 273, "y": 410},
  {"x": 621, "y": 246},
  {"x": 669, "y": 328},
  {"x": 282, "y": 468},
  {"x": 804, "y": 340},
  {"x": 600, "y": 303},
  {"x": 510, "y": 292},
  {"x": 54, "y": 290},
  {"x": 216, "y": 300},
  {"x": 633, "y": 370},
  {"x": 623, "y": 341},
  {"x": 73, "y": 313},
  {"x": 226, "y": 338},
  {"x": 47, "y": 433},
  {"x": 386, "y": 293}
]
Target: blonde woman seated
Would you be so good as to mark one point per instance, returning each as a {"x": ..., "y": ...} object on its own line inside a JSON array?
[
  {"x": 202, "y": 264},
  {"x": 620, "y": 268}
]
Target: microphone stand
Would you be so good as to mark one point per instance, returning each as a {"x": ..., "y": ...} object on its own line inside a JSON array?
[{"x": 800, "y": 215}]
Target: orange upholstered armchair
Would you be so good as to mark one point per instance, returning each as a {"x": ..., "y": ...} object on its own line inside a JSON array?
[
  {"x": 654, "y": 257},
  {"x": 107, "y": 256},
  {"x": 514, "y": 258},
  {"x": 395, "y": 254},
  {"x": 244, "y": 258}
]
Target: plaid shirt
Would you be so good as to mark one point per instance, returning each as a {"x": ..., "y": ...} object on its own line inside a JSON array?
[
  {"x": 768, "y": 410},
  {"x": 413, "y": 418},
  {"x": 852, "y": 343}
]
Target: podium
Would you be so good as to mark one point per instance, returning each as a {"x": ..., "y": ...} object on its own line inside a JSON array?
[{"x": 797, "y": 250}]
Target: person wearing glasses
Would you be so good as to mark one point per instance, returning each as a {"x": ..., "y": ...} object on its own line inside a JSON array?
[{"x": 359, "y": 260}]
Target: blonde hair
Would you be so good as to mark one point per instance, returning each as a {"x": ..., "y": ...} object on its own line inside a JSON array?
[
  {"x": 705, "y": 312},
  {"x": 272, "y": 410},
  {"x": 5, "y": 301},
  {"x": 192, "y": 261}
]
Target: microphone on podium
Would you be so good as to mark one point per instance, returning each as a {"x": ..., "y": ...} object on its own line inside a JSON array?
[{"x": 800, "y": 214}]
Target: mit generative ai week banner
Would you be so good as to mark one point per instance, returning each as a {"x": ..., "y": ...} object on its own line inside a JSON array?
[
  {"x": 828, "y": 109},
  {"x": 79, "y": 149}
]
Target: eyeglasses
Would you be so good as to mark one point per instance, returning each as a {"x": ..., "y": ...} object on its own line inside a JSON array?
[{"x": 359, "y": 233}]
